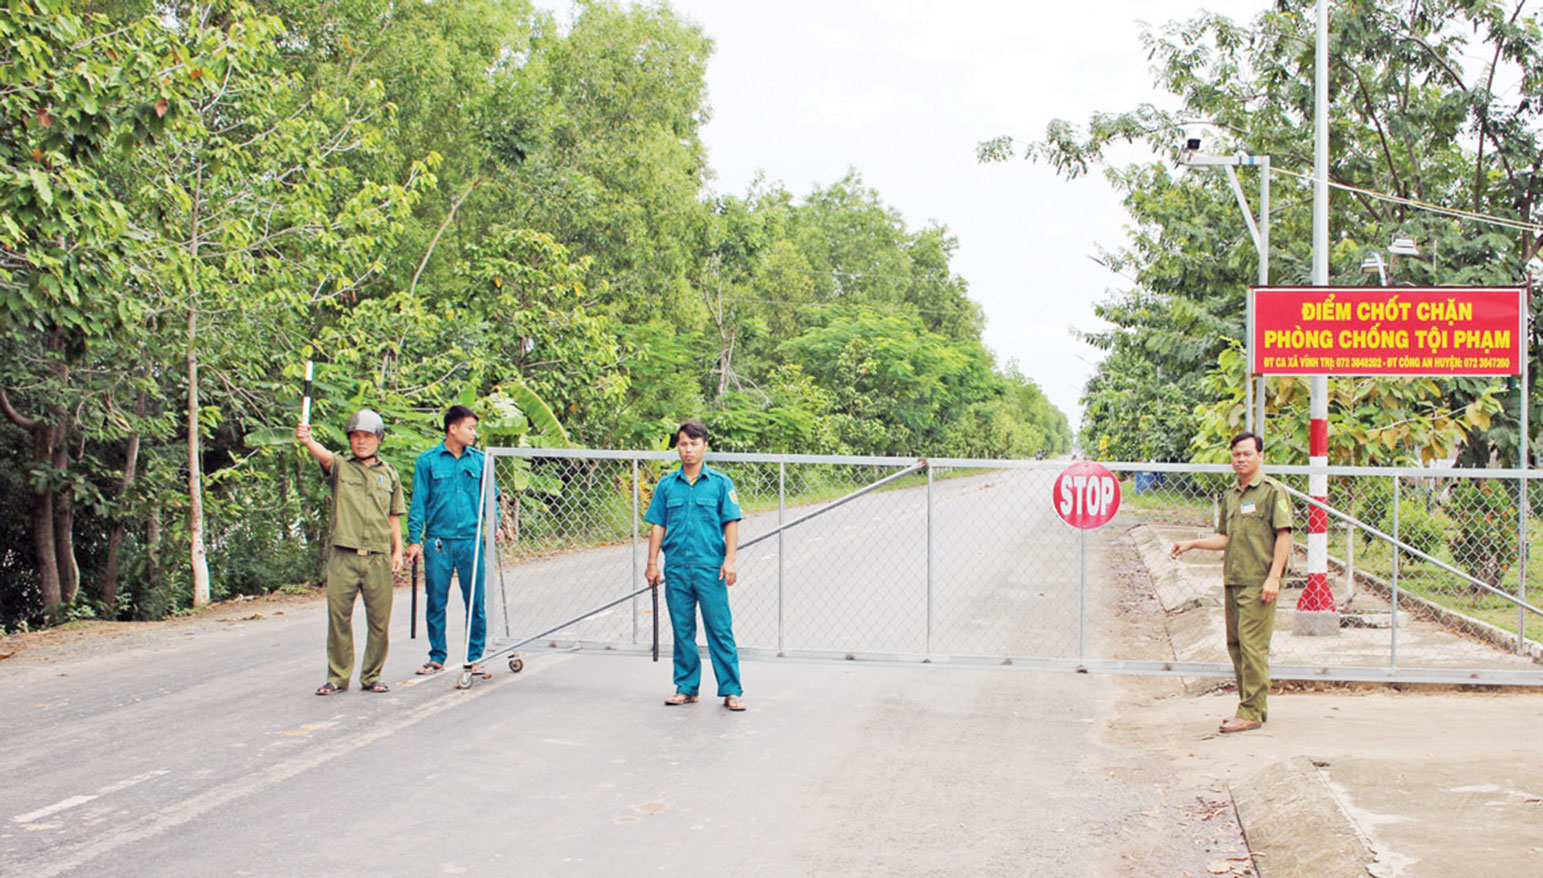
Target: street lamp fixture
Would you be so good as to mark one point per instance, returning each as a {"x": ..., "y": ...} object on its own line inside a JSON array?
[
  {"x": 1190, "y": 156},
  {"x": 1373, "y": 264},
  {"x": 1403, "y": 245}
]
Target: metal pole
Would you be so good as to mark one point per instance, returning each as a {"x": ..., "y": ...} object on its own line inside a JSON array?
[
  {"x": 782, "y": 496},
  {"x": 1321, "y": 148},
  {"x": 1264, "y": 220},
  {"x": 1082, "y": 591},
  {"x": 1264, "y": 270},
  {"x": 1393, "y": 659},
  {"x": 1349, "y": 564},
  {"x": 503, "y": 591},
  {"x": 1521, "y": 555},
  {"x": 1259, "y": 393},
  {"x": 929, "y": 560},
  {"x": 478, "y": 556},
  {"x": 635, "y": 529},
  {"x": 1248, "y": 361},
  {"x": 1526, "y": 454}
]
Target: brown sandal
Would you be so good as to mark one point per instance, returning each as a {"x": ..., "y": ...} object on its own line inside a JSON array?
[
  {"x": 733, "y": 702},
  {"x": 680, "y": 698}
]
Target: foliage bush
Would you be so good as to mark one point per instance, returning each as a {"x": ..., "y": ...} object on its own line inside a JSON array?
[
  {"x": 1419, "y": 525},
  {"x": 1483, "y": 539}
]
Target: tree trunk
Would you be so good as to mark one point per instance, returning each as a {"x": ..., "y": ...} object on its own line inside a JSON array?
[
  {"x": 107, "y": 590},
  {"x": 151, "y": 583},
  {"x": 43, "y": 544},
  {"x": 64, "y": 517},
  {"x": 197, "y": 554}
]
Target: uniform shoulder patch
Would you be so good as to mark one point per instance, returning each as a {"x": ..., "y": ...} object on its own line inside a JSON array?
[{"x": 734, "y": 496}]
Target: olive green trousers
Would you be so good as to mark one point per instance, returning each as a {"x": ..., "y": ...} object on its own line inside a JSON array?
[
  {"x": 1250, "y": 625},
  {"x": 348, "y": 575}
]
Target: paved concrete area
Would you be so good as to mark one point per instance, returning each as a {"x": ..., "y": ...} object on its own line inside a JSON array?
[
  {"x": 1423, "y": 781},
  {"x": 1381, "y": 783}
]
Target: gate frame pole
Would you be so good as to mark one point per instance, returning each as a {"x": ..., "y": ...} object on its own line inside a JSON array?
[
  {"x": 929, "y": 562},
  {"x": 1082, "y": 591},
  {"x": 1523, "y": 296},
  {"x": 1393, "y": 656},
  {"x": 782, "y": 493},
  {"x": 636, "y": 494}
]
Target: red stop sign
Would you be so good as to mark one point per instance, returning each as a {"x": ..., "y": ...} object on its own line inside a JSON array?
[{"x": 1086, "y": 495}]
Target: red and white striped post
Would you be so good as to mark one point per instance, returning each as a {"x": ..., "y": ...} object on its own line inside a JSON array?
[{"x": 1316, "y": 613}]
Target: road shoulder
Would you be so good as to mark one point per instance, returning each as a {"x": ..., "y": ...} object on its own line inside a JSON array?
[{"x": 1349, "y": 780}]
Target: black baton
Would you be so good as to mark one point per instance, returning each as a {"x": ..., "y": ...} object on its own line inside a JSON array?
[
  {"x": 655, "y": 593},
  {"x": 414, "y": 629}
]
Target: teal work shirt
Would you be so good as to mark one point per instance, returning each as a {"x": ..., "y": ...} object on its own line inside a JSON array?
[
  {"x": 693, "y": 516},
  {"x": 446, "y": 489}
]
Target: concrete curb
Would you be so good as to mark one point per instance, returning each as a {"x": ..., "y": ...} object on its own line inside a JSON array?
[
  {"x": 1286, "y": 802},
  {"x": 1197, "y": 628}
]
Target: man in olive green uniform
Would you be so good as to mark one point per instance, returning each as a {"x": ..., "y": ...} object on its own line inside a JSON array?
[
  {"x": 364, "y": 548},
  {"x": 1255, "y": 539}
]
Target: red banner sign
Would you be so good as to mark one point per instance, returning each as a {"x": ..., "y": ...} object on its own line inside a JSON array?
[{"x": 1386, "y": 331}]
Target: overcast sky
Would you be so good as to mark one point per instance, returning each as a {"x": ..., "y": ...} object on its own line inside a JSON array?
[{"x": 903, "y": 90}]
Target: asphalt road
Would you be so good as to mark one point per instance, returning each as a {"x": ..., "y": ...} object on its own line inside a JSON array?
[{"x": 199, "y": 749}]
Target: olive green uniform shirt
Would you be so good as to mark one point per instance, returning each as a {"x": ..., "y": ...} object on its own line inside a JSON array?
[
  {"x": 362, "y": 498},
  {"x": 1250, "y": 518}
]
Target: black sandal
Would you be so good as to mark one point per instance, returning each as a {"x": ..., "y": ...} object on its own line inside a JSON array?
[
  {"x": 376, "y": 686},
  {"x": 328, "y": 689}
]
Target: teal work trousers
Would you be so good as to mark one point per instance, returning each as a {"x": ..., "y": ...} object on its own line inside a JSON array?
[{"x": 685, "y": 590}]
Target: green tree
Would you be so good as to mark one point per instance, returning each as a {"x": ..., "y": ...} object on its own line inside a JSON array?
[
  {"x": 80, "y": 95},
  {"x": 1409, "y": 117},
  {"x": 611, "y": 111},
  {"x": 251, "y": 217}
]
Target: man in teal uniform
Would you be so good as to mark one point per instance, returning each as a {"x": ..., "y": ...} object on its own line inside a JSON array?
[
  {"x": 442, "y": 528},
  {"x": 364, "y": 548},
  {"x": 1255, "y": 540},
  {"x": 695, "y": 517}
]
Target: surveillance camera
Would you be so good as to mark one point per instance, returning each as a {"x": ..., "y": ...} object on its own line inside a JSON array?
[{"x": 1192, "y": 144}]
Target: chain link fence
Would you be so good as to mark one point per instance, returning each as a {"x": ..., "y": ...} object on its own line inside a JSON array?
[{"x": 965, "y": 562}]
